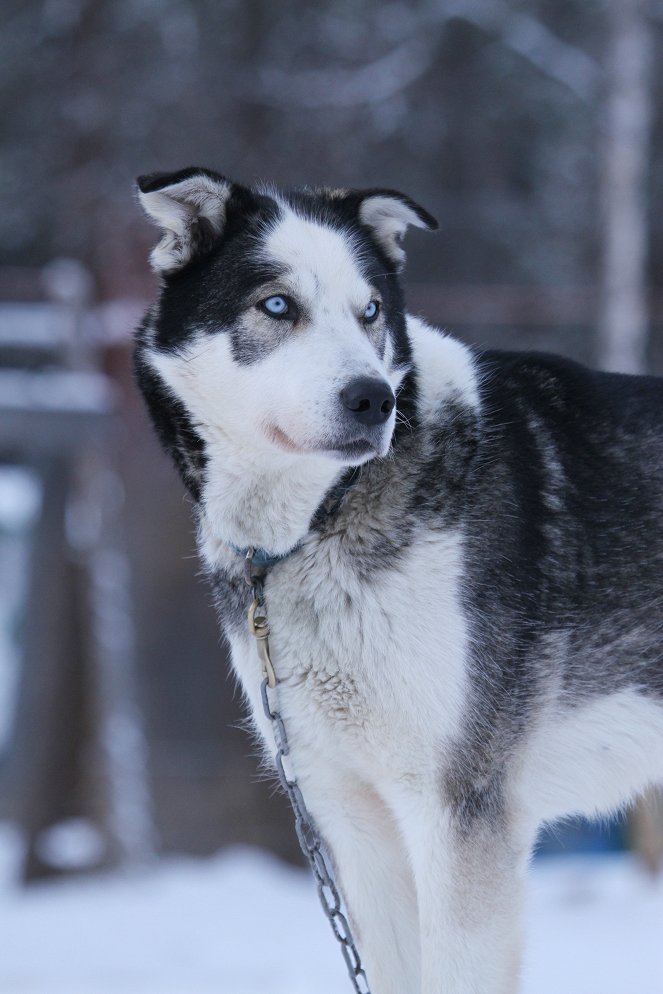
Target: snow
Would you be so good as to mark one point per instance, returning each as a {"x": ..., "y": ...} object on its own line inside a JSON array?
[
  {"x": 20, "y": 498},
  {"x": 243, "y": 923},
  {"x": 73, "y": 844},
  {"x": 20, "y": 503},
  {"x": 33, "y": 325},
  {"x": 595, "y": 926},
  {"x": 56, "y": 391}
]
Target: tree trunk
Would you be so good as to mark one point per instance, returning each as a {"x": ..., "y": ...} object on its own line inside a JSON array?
[
  {"x": 624, "y": 320},
  {"x": 623, "y": 324}
]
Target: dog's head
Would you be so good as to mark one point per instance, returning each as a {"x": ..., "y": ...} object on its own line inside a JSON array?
[{"x": 280, "y": 325}]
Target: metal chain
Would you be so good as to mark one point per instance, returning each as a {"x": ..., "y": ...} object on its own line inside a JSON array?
[{"x": 311, "y": 844}]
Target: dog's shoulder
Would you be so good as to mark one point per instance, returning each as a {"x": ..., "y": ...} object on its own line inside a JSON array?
[{"x": 446, "y": 370}]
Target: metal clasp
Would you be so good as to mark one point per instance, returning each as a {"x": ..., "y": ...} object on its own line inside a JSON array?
[{"x": 259, "y": 628}]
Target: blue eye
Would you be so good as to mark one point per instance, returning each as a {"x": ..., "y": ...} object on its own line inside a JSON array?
[
  {"x": 276, "y": 307},
  {"x": 372, "y": 311}
]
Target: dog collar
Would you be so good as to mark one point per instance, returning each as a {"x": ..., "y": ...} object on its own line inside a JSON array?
[{"x": 262, "y": 558}]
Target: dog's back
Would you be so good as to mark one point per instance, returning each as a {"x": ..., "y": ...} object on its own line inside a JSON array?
[
  {"x": 564, "y": 583},
  {"x": 571, "y": 474}
]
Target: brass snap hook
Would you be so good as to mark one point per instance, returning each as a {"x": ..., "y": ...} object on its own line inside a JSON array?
[{"x": 259, "y": 628}]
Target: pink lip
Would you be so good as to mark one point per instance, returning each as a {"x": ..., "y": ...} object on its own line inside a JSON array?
[
  {"x": 284, "y": 442},
  {"x": 281, "y": 439}
]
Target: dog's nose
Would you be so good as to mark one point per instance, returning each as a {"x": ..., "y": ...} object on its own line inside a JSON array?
[{"x": 371, "y": 401}]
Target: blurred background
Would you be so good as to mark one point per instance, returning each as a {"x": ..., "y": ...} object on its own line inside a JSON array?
[{"x": 533, "y": 130}]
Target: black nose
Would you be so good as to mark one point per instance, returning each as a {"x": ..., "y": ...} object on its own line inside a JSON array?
[{"x": 371, "y": 401}]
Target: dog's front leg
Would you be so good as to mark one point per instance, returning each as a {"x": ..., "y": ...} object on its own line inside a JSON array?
[
  {"x": 469, "y": 873},
  {"x": 374, "y": 877}
]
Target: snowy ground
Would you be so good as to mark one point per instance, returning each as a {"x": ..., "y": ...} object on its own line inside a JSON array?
[{"x": 241, "y": 923}]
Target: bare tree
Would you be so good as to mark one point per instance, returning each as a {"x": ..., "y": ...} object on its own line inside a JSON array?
[{"x": 623, "y": 321}]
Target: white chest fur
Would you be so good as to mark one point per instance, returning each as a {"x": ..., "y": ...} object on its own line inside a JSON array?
[{"x": 372, "y": 671}]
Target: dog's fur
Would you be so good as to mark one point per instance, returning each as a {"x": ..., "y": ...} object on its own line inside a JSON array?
[{"x": 469, "y": 644}]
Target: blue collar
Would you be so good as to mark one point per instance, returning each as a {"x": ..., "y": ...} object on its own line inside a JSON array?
[{"x": 261, "y": 557}]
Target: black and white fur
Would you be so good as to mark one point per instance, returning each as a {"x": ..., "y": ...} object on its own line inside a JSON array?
[{"x": 470, "y": 645}]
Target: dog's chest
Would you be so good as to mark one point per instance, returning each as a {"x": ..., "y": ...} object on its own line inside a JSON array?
[{"x": 369, "y": 665}]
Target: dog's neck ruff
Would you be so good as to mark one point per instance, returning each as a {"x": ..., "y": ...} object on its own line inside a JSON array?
[{"x": 263, "y": 560}]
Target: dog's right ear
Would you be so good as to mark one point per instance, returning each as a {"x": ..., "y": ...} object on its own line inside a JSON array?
[{"x": 190, "y": 208}]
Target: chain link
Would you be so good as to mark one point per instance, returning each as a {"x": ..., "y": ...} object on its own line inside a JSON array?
[{"x": 311, "y": 844}]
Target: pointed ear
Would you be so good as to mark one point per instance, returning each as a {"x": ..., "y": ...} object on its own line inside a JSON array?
[
  {"x": 190, "y": 208},
  {"x": 388, "y": 214}
]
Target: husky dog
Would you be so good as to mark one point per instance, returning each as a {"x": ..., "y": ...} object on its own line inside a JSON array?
[{"x": 466, "y": 600}]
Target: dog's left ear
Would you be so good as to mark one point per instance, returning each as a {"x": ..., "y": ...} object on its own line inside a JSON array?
[{"x": 389, "y": 214}]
